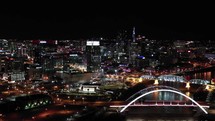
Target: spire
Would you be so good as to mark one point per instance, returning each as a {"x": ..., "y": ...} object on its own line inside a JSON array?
[{"x": 133, "y": 34}]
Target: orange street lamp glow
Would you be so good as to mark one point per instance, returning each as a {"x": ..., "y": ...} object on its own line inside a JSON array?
[
  {"x": 140, "y": 79},
  {"x": 188, "y": 85},
  {"x": 156, "y": 82}
]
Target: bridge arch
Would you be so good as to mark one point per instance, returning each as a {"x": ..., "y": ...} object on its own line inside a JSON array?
[
  {"x": 163, "y": 90},
  {"x": 151, "y": 87}
]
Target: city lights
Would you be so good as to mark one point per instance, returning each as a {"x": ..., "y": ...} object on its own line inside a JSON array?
[
  {"x": 156, "y": 82},
  {"x": 188, "y": 85},
  {"x": 101, "y": 76}
]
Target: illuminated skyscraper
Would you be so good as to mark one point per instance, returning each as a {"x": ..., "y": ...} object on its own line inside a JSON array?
[
  {"x": 93, "y": 55},
  {"x": 133, "y": 49}
]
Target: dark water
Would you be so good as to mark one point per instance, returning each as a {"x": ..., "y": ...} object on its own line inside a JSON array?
[
  {"x": 203, "y": 75},
  {"x": 166, "y": 96},
  {"x": 160, "y": 114}
]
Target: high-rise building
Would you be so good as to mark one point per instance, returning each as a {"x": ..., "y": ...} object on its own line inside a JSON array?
[
  {"x": 4, "y": 63},
  {"x": 3, "y": 44},
  {"x": 3, "y": 56},
  {"x": 121, "y": 49},
  {"x": 133, "y": 49},
  {"x": 93, "y": 55}
]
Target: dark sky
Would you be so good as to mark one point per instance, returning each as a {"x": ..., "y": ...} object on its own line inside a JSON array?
[{"x": 75, "y": 21}]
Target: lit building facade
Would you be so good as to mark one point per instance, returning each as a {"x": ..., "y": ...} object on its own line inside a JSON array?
[{"x": 93, "y": 55}]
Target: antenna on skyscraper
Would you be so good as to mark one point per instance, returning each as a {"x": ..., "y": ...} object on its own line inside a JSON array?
[{"x": 133, "y": 34}]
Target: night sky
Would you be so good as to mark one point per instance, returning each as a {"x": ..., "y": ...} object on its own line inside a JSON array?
[{"x": 76, "y": 21}]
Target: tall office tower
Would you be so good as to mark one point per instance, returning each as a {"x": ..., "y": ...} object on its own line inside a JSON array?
[
  {"x": 3, "y": 55},
  {"x": 133, "y": 46},
  {"x": 93, "y": 55},
  {"x": 120, "y": 47}
]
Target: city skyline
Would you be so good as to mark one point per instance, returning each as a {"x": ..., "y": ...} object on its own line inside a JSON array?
[{"x": 107, "y": 61}]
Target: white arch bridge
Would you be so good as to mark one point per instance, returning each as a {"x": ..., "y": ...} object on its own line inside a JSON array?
[{"x": 171, "y": 103}]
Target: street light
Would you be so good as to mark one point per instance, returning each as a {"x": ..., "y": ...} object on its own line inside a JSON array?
[
  {"x": 73, "y": 101},
  {"x": 207, "y": 87},
  {"x": 140, "y": 79},
  {"x": 156, "y": 82},
  {"x": 188, "y": 85},
  {"x": 82, "y": 99}
]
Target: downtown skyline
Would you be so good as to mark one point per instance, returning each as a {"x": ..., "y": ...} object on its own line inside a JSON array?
[{"x": 85, "y": 61}]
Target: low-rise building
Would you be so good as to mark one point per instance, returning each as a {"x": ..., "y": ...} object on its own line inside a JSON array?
[{"x": 89, "y": 88}]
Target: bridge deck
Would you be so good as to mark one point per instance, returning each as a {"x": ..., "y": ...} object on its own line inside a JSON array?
[{"x": 164, "y": 103}]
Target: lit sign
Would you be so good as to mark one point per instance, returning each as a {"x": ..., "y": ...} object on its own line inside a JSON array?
[
  {"x": 93, "y": 43},
  {"x": 42, "y": 41},
  {"x": 73, "y": 55}
]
